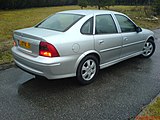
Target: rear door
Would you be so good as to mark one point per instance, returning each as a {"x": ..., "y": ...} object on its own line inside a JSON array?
[
  {"x": 107, "y": 39},
  {"x": 132, "y": 41}
]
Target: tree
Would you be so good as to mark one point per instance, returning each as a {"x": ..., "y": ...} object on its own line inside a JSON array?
[
  {"x": 82, "y": 3},
  {"x": 101, "y": 3},
  {"x": 19, "y": 4},
  {"x": 110, "y": 3},
  {"x": 156, "y": 7}
]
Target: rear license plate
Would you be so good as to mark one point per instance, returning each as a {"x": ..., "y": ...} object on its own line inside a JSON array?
[{"x": 24, "y": 44}]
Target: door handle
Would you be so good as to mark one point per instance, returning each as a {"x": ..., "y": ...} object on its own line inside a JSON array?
[
  {"x": 101, "y": 41},
  {"x": 125, "y": 38}
]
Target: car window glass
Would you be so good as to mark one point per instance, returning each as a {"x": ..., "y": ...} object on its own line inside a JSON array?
[
  {"x": 105, "y": 24},
  {"x": 87, "y": 27},
  {"x": 60, "y": 22},
  {"x": 126, "y": 25}
]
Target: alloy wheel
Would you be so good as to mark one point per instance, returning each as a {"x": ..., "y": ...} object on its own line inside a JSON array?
[
  {"x": 148, "y": 49},
  {"x": 88, "y": 70}
]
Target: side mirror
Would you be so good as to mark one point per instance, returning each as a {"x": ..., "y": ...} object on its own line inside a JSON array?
[{"x": 138, "y": 29}]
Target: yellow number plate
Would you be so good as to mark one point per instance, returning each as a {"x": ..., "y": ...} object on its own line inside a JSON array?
[{"x": 24, "y": 44}]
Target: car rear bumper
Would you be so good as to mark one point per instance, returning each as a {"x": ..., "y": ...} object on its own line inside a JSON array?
[{"x": 61, "y": 68}]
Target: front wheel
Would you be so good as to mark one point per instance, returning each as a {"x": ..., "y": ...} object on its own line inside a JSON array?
[
  {"x": 148, "y": 49},
  {"x": 87, "y": 70}
]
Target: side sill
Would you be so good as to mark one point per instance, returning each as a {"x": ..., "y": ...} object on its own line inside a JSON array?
[{"x": 102, "y": 66}]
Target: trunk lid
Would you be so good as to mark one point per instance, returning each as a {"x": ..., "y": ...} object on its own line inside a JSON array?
[{"x": 28, "y": 39}]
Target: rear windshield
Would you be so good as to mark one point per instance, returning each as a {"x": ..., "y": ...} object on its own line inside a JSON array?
[{"x": 60, "y": 21}]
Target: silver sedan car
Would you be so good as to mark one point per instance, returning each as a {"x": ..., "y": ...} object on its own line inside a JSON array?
[{"x": 79, "y": 43}]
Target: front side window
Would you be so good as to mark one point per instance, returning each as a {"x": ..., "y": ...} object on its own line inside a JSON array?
[
  {"x": 105, "y": 24},
  {"x": 60, "y": 22},
  {"x": 87, "y": 27},
  {"x": 126, "y": 25}
]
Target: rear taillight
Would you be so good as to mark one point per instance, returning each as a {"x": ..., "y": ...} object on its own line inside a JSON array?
[{"x": 47, "y": 50}]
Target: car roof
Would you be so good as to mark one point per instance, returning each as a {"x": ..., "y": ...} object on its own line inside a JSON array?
[{"x": 88, "y": 12}]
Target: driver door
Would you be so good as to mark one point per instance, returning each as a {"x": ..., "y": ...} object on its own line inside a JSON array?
[{"x": 132, "y": 40}]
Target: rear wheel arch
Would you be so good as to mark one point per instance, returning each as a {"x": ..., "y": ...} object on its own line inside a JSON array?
[{"x": 94, "y": 53}]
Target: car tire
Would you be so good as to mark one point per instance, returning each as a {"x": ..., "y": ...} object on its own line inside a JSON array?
[
  {"x": 87, "y": 70},
  {"x": 148, "y": 49}
]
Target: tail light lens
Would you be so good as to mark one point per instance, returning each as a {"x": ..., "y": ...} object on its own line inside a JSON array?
[{"x": 47, "y": 50}]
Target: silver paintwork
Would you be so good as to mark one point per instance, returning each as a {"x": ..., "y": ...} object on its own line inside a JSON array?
[{"x": 74, "y": 46}]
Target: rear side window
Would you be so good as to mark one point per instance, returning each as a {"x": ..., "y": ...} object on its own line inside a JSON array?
[
  {"x": 126, "y": 24},
  {"x": 60, "y": 21},
  {"x": 87, "y": 27},
  {"x": 105, "y": 24}
]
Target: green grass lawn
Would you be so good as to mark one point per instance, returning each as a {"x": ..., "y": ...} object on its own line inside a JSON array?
[
  {"x": 152, "y": 110},
  {"x": 15, "y": 19}
]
